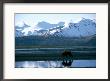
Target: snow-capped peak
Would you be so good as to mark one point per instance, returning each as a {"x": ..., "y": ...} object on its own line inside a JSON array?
[{"x": 85, "y": 27}]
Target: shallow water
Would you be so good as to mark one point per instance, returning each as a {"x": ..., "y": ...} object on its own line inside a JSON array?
[{"x": 55, "y": 64}]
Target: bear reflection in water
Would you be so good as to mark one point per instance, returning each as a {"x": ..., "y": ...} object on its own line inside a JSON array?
[{"x": 67, "y": 58}]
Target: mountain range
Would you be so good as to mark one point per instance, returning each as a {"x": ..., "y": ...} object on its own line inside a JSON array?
[
  {"x": 84, "y": 27},
  {"x": 82, "y": 33}
]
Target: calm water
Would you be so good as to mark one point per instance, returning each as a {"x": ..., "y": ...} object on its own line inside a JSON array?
[{"x": 54, "y": 64}]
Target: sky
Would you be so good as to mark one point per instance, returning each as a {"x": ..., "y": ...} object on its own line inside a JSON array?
[{"x": 33, "y": 19}]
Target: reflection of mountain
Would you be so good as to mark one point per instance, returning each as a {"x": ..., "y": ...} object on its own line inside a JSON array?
[{"x": 85, "y": 27}]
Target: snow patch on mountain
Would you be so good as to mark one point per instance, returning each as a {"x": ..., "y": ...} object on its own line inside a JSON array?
[
  {"x": 20, "y": 27},
  {"x": 85, "y": 27},
  {"x": 46, "y": 25}
]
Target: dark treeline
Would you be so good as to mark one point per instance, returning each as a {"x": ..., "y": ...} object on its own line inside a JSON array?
[{"x": 54, "y": 41}]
